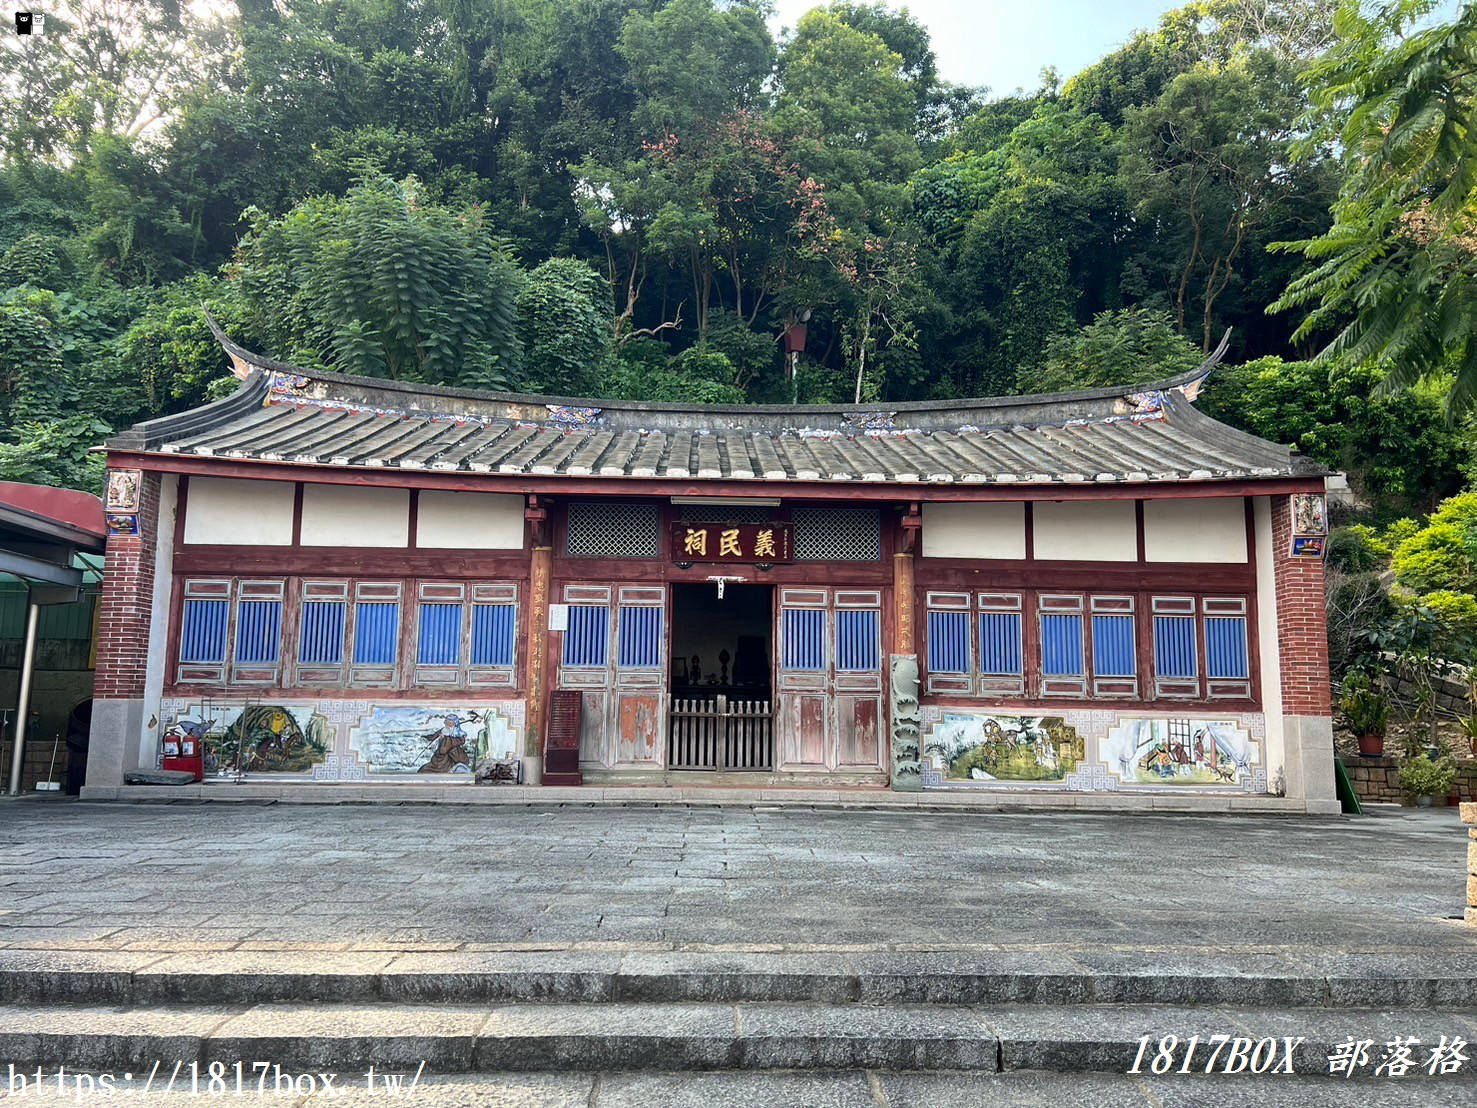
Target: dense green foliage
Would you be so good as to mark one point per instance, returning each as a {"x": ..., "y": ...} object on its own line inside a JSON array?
[
  {"x": 1125, "y": 347},
  {"x": 379, "y": 284},
  {"x": 1396, "y": 274},
  {"x": 634, "y": 198}
]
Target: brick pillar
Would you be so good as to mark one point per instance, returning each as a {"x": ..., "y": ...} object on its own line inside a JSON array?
[
  {"x": 126, "y": 601},
  {"x": 124, "y": 625},
  {"x": 1302, "y": 638}
]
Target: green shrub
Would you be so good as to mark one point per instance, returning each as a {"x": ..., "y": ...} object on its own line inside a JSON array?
[
  {"x": 1399, "y": 531},
  {"x": 1423, "y": 777},
  {"x": 1441, "y": 556},
  {"x": 1456, "y": 610},
  {"x": 1357, "y": 548}
]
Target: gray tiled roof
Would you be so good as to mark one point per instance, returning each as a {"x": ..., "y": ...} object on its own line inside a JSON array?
[{"x": 286, "y": 414}]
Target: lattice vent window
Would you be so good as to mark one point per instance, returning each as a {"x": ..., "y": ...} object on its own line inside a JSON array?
[
  {"x": 716, "y": 513},
  {"x": 837, "y": 535},
  {"x": 602, "y": 530}
]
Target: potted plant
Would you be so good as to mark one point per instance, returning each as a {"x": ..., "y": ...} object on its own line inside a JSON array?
[
  {"x": 1426, "y": 780},
  {"x": 1367, "y": 712}
]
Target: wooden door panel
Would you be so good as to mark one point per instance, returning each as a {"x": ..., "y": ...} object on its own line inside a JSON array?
[
  {"x": 803, "y": 730},
  {"x": 639, "y": 727},
  {"x": 857, "y": 730},
  {"x": 808, "y": 730},
  {"x": 594, "y": 726}
]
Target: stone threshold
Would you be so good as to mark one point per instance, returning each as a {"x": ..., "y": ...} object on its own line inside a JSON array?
[{"x": 778, "y": 796}]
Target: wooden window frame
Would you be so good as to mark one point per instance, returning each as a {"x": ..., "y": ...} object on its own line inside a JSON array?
[
  {"x": 1144, "y": 686},
  {"x": 291, "y": 674}
]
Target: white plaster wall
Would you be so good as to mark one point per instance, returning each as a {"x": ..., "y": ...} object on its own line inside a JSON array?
[
  {"x": 160, "y": 605},
  {"x": 974, "y": 530},
  {"x": 469, "y": 520},
  {"x": 1077, "y": 530},
  {"x": 1271, "y": 660},
  {"x": 238, "y": 513},
  {"x": 339, "y": 515},
  {"x": 1205, "y": 529}
]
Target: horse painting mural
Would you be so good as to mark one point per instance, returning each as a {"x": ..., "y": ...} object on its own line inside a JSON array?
[
  {"x": 970, "y": 747},
  {"x": 1200, "y": 752}
]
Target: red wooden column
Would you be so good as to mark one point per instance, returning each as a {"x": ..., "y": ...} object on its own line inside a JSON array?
[
  {"x": 540, "y": 572},
  {"x": 905, "y": 602},
  {"x": 904, "y": 592},
  {"x": 903, "y": 736},
  {"x": 538, "y": 637}
]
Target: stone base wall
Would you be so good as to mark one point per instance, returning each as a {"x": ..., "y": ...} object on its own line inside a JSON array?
[{"x": 1377, "y": 780}]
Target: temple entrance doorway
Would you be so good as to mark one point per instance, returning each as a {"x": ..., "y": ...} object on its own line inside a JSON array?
[{"x": 721, "y": 712}]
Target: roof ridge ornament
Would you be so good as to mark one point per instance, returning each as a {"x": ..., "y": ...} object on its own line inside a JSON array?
[
  {"x": 873, "y": 421},
  {"x": 567, "y": 417}
]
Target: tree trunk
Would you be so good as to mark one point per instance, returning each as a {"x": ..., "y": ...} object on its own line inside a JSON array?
[{"x": 1195, "y": 222}]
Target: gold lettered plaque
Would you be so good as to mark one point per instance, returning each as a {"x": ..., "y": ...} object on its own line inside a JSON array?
[{"x": 757, "y": 543}]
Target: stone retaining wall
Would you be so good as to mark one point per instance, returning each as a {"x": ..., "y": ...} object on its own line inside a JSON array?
[
  {"x": 1452, "y": 689},
  {"x": 1377, "y": 780}
]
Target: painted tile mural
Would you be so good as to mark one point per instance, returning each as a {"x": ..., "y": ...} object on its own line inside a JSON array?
[
  {"x": 1092, "y": 750},
  {"x": 1185, "y": 751},
  {"x": 256, "y": 738},
  {"x": 970, "y": 747},
  {"x": 430, "y": 739},
  {"x": 343, "y": 740}
]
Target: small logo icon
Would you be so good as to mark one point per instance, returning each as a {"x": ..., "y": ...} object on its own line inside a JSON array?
[{"x": 23, "y": 23}]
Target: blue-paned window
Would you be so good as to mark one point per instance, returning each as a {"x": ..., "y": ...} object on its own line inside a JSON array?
[
  {"x": 587, "y": 642},
  {"x": 322, "y": 639},
  {"x": 1225, "y": 647},
  {"x": 641, "y": 631},
  {"x": 1112, "y": 646},
  {"x": 440, "y": 635},
  {"x": 203, "y": 631},
  {"x": 804, "y": 632},
  {"x": 258, "y": 631},
  {"x": 948, "y": 642},
  {"x": 1174, "y": 647},
  {"x": 1061, "y": 645},
  {"x": 376, "y": 632},
  {"x": 858, "y": 641},
  {"x": 493, "y": 630},
  {"x": 1000, "y": 644}
]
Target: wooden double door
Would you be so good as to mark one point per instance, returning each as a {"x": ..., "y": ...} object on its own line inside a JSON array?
[
  {"x": 614, "y": 652},
  {"x": 827, "y": 690},
  {"x": 829, "y": 673}
]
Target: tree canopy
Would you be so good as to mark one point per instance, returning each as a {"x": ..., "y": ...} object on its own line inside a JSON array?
[{"x": 637, "y": 197}]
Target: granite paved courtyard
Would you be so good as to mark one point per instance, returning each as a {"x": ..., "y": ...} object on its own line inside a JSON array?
[{"x": 79, "y": 875}]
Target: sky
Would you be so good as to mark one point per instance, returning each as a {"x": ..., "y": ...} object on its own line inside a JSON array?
[{"x": 1006, "y": 43}]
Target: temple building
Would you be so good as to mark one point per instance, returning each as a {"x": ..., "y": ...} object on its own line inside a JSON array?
[{"x": 325, "y": 579}]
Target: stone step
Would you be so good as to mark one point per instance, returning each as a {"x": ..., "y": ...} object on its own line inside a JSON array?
[
  {"x": 823, "y": 977},
  {"x": 831, "y": 1088},
  {"x": 531, "y": 1037}
]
